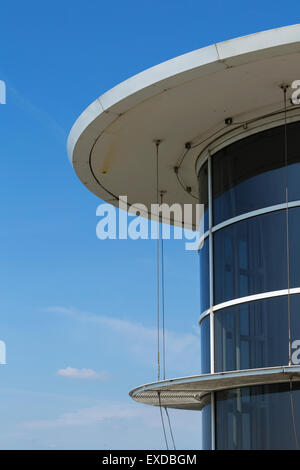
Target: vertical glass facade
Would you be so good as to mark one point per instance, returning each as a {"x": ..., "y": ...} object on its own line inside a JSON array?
[
  {"x": 204, "y": 276},
  {"x": 206, "y": 425},
  {"x": 250, "y": 257},
  {"x": 256, "y": 261},
  {"x": 252, "y": 335},
  {"x": 250, "y": 174},
  {"x": 258, "y": 417},
  {"x": 205, "y": 346}
]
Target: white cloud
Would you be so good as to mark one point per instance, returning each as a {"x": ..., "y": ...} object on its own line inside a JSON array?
[
  {"x": 116, "y": 415},
  {"x": 95, "y": 414},
  {"x": 182, "y": 349},
  {"x": 72, "y": 373},
  {"x": 116, "y": 425},
  {"x": 106, "y": 424}
]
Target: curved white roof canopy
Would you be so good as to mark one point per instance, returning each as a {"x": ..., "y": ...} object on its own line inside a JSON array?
[
  {"x": 186, "y": 99},
  {"x": 192, "y": 393}
]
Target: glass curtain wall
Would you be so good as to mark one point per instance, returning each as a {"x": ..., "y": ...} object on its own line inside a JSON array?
[{"x": 250, "y": 258}]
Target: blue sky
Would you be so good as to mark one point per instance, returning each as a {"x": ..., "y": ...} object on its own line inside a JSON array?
[{"x": 69, "y": 300}]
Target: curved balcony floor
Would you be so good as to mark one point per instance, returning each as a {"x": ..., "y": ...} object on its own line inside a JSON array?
[{"x": 192, "y": 393}]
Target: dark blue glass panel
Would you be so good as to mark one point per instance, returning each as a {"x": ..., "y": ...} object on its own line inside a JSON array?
[
  {"x": 254, "y": 334},
  {"x": 204, "y": 276},
  {"x": 295, "y": 328},
  {"x": 203, "y": 192},
  {"x": 250, "y": 256},
  {"x": 206, "y": 426},
  {"x": 205, "y": 346},
  {"x": 294, "y": 245},
  {"x": 250, "y": 174},
  {"x": 258, "y": 418}
]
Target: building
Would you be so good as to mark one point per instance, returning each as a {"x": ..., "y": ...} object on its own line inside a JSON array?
[{"x": 229, "y": 122}]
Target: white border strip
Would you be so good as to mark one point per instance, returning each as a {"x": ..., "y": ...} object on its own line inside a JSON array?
[
  {"x": 248, "y": 215},
  {"x": 204, "y": 314},
  {"x": 250, "y": 298}
]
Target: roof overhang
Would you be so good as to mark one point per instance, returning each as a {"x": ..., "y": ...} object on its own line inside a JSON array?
[{"x": 186, "y": 99}]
